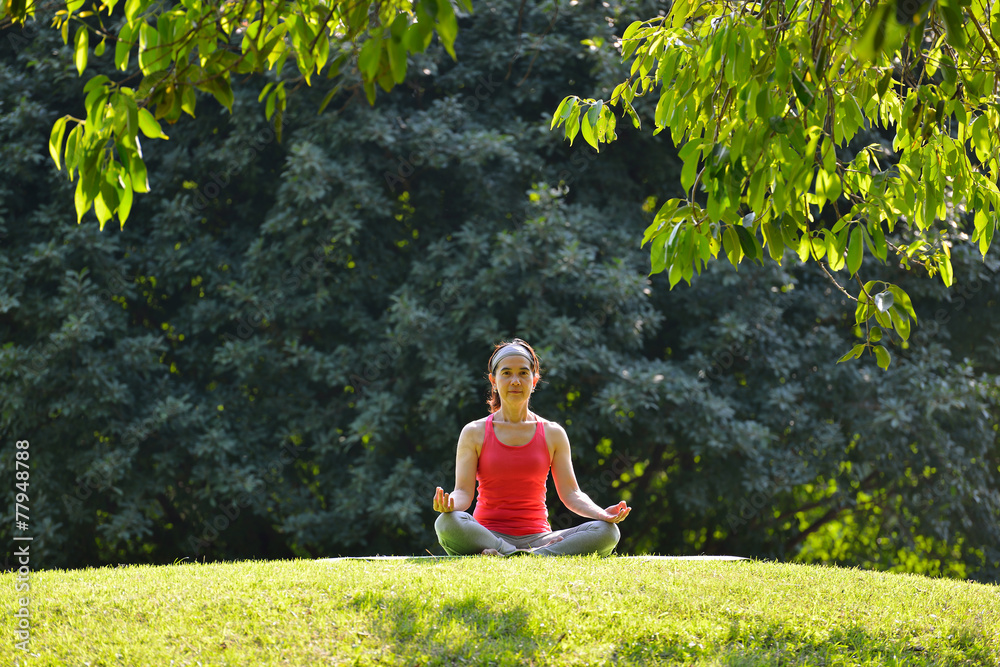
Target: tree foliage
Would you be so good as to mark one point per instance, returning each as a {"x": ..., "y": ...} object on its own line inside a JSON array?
[
  {"x": 773, "y": 106},
  {"x": 195, "y": 46}
]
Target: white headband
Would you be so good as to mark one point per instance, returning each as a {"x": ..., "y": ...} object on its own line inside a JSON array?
[{"x": 510, "y": 351}]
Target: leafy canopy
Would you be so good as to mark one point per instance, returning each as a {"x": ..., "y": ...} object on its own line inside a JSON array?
[
  {"x": 199, "y": 46},
  {"x": 764, "y": 100}
]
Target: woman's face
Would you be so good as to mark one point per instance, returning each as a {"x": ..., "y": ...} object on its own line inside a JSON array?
[{"x": 514, "y": 380}]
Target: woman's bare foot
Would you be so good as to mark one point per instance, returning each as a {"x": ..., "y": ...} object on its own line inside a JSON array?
[
  {"x": 490, "y": 552},
  {"x": 554, "y": 540}
]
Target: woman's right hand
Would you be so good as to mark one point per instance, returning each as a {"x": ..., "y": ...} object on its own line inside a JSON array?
[{"x": 443, "y": 502}]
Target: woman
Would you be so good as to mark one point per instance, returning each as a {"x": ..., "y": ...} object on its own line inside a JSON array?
[{"x": 510, "y": 453}]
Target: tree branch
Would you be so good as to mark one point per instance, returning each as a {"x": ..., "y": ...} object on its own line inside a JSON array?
[{"x": 834, "y": 281}]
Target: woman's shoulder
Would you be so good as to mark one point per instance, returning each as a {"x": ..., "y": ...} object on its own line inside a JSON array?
[
  {"x": 475, "y": 428},
  {"x": 551, "y": 427}
]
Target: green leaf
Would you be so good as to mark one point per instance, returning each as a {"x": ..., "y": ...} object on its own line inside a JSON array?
[
  {"x": 397, "y": 60},
  {"x": 563, "y": 111},
  {"x": 986, "y": 238},
  {"x": 954, "y": 24},
  {"x": 368, "y": 59},
  {"x": 873, "y": 33},
  {"x": 995, "y": 23},
  {"x": 762, "y": 103},
  {"x": 447, "y": 26},
  {"x": 782, "y": 65},
  {"x": 108, "y": 200},
  {"x": 855, "y": 250},
  {"x": 188, "y": 100},
  {"x": 675, "y": 274},
  {"x": 679, "y": 12},
  {"x": 835, "y": 245},
  {"x": 881, "y": 356},
  {"x": 222, "y": 92},
  {"x": 72, "y": 149},
  {"x": 329, "y": 97},
  {"x": 132, "y": 8},
  {"x": 663, "y": 216},
  {"x": 756, "y": 191},
  {"x": 587, "y": 129},
  {"x": 81, "y": 201},
  {"x": 56, "y": 140},
  {"x": 149, "y": 125},
  {"x": 572, "y": 126},
  {"x": 631, "y": 30},
  {"x": 883, "y": 84},
  {"x": 853, "y": 354},
  {"x": 658, "y": 254},
  {"x": 151, "y": 57},
  {"x": 418, "y": 37},
  {"x": 398, "y": 28},
  {"x": 881, "y": 249},
  {"x": 772, "y": 237},
  {"x": 102, "y": 210},
  {"x": 137, "y": 171},
  {"x": 690, "y": 154},
  {"x": 875, "y": 335},
  {"x": 150, "y": 84},
  {"x": 82, "y": 46},
  {"x": 747, "y": 242},
  {"x": 123, "y": 47},
  {"x": 827, "y": 185},
  {"x": 594, "y": 113},
  {"x": 358, "y": 14},
  {"x": 900, "y": 321},
  {"x": 802, "y": 90},
  {"x": 125, "y": 202},
  {"x": 982, "y": 138},
  {"x": 947, "y": 273},
  {"x": 731, "y": 245}
]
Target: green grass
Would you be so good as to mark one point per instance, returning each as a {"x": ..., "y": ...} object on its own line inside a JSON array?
[{"x": 482, "y": 610}]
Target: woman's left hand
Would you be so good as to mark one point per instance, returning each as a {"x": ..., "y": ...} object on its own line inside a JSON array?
[{"x": 616, "y": 513}]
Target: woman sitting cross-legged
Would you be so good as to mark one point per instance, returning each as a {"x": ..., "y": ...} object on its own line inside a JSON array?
[{"x": 510, "y": 453}]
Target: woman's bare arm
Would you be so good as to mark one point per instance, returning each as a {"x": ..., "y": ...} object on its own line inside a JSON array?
[
  {"x": 466, "y": 464},
  {"x": 567, "y": 487}
]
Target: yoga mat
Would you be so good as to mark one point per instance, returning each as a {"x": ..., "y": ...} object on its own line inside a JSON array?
[{"x": 726, "y": 558}]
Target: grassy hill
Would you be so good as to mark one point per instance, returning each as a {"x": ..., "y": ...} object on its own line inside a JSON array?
[{"x": 496, "y": 611}]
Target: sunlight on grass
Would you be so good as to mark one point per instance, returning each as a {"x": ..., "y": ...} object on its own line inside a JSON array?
[{"x": 542, "y": 611}]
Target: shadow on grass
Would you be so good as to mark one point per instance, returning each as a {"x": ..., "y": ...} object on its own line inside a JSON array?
[
  {"x": 452, "y": 631},
  {"x": 749, "y": 646}
]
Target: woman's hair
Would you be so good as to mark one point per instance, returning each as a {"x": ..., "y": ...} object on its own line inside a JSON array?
[{"x": 493, "y": 398}]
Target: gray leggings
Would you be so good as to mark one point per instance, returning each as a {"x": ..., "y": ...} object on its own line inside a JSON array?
[{"x": 460, "y": 535}]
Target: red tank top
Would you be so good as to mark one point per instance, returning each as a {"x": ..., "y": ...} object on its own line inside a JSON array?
[{"x": 511, "y": 495}]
